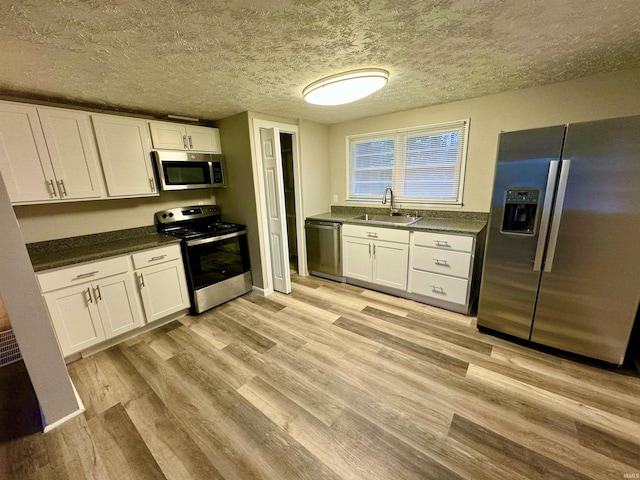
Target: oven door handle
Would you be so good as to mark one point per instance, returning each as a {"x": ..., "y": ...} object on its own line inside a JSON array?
[{"x": 202, "y": 241}]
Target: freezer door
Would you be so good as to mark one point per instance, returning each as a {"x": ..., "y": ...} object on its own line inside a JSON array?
[
  {"x": 589, "y": 294},
  {"x": 510, "y": 277}
]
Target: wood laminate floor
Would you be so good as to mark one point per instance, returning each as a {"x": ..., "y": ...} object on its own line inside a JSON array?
[{"x": 335, "y": 382}]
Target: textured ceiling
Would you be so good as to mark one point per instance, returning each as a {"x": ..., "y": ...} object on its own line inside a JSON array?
[{"x": 214, "y": 58}]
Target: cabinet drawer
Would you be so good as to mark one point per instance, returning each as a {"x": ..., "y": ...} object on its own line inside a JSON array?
[
  {"x": 441, "y": 261},
  {"x": 463, "y": 243},
  {"x": 439, "y": 286},
  {"x": 375, "y": 233},
  {"x": 87, "y": 272},
  {"x": 155, "y": 256}
]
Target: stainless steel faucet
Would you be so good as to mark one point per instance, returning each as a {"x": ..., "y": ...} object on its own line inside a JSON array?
[{"x": 392, "y": 211}]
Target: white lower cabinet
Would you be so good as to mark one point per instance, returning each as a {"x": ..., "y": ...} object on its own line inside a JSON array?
[
  {"x": 89, "y": 304},
  {"x": 430, "y": 267},
  {"x": 94, "y": 302},
  {"x": 441, "y": 268},
  {"x": 376, "y": 255},
  {"x": 162, "y": 282}
]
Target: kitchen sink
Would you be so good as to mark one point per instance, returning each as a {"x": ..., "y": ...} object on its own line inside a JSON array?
[{"x": 393, "y": 220}]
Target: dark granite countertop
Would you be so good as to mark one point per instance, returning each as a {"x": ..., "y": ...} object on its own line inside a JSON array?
[
  {"x": 470, "y": 223},
  {"x": 86, "y": 248}
]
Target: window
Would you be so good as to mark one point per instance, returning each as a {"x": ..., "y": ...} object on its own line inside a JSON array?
[{"x": 421, "y": 165}]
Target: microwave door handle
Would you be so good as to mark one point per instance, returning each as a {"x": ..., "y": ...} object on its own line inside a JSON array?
[{"x": 546, "y": 214}]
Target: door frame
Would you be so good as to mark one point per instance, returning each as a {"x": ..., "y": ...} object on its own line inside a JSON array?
[{"x": 258, "y": 181}]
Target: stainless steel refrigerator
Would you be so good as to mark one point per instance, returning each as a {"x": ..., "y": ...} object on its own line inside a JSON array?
[{"x": 562, "y": 260}]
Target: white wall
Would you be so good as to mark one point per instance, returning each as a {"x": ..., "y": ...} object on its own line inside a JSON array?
[
  {"x": 592, "y": 98},
  {"x": 30, "y": 321},
  {"x": 315, "y": 168}
]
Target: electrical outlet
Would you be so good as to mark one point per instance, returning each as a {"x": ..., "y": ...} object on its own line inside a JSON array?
[{"x": 335, "y": 198}]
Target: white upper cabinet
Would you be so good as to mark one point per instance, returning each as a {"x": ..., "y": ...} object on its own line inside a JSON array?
[
  {"x": 125, "y": 150},
  {"x": 47, "y": 154},
  {"x": 176, "y": 136},
  {"x": 73, "y": 152}
]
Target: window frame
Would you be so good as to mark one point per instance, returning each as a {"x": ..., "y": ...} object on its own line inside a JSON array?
[{"x": 399, "y": 168}]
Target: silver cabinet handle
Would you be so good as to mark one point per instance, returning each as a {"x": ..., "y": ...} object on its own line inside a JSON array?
[
  {"x": 546, "y": 214},
  {"x": 442, "y": 243},
  {"x": 97, "y": 293},
  {"x": 374, "y": 250},
  {"x": 441, "y": 262},
  {"x": 52, "y": 189},
  {"x": 557, "y": 214},
  {"x": 85, "y": 275},
  {"x": 141, "y": 281},
  {"x": 437, "y": 289},
  {"x": 155, "y": 259},
  {"x": 190, "y": 142},
  {"x": 184, "y": 142},
  {"x": 87, "y": 296},
  {"x": 369, "y": 250},
  {"x": 372, "y": 234},
  {"x": 61, "y": 187},
  {"x": 152, "y": 182}
]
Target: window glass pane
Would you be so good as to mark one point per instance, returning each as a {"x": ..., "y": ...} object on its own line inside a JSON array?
[{"x": 422, "y": 165}]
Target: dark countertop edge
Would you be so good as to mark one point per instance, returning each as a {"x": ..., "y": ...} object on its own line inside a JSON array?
[
  {"x": 42, "y": 259},
  {"x": 429, "y": 224}
]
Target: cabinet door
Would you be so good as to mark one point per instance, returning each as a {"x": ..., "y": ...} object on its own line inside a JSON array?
[
  {"x": 73, "y": 154},
  {"x": 204, "y": 139},
  {"x": 163, "y": 289},
  {"x": 172, "y": 136},
  {"x": 75, "y": 318},
  {"x": 390, "y": 264},
  {"x": 125, "y": 152},
  {"x": 24, "y": 159},
  {"x": 115, "y": 297},
  {"x": 357, "y": 258}
]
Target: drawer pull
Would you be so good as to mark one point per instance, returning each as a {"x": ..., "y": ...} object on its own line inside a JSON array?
[
  {"x": 442, "y": 243},
  {"x": 155, "y": 259},
  {"x": 437, "y": 289},
  {"x": 372, "y": 234},
  {"x": 85, "y": 275},
  {"x": 442, "y": 263}
]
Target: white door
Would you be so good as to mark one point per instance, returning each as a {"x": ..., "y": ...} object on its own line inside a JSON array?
[
  {"x": 357, "y": 258},
  {"x": 390, "y": 264},
  {"x": 163, "y": 289},
  {"x": 72, "y": 150},
  {"x": 276, "y": 215}
]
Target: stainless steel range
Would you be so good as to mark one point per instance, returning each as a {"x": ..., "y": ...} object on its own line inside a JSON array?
[{"x": 216, "y": 254}]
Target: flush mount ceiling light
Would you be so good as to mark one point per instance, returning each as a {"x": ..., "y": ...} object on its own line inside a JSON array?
[{"x": 345, "y": 87}]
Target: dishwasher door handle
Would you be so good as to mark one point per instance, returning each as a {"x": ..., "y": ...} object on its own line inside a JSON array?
[{"x": 323, "y": 227}]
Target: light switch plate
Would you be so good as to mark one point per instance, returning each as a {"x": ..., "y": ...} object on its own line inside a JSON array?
[{"x": 335, "y": 198}]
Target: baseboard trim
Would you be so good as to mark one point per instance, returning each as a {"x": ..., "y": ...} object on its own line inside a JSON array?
[{"x": 263, "y": 292}]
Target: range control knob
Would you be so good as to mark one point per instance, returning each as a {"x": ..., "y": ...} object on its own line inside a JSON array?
[
  {"x": 171, "y": 214},
  {"x": 164, "y": 215}
]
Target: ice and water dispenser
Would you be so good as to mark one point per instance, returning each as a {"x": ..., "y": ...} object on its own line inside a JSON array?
[{"x": 520, "y": 211}]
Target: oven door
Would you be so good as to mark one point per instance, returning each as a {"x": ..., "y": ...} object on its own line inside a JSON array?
[{"x": 216, "y": 259}]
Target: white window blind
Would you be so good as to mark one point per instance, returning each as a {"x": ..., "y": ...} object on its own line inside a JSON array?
[{"x": 421, "y": 165}]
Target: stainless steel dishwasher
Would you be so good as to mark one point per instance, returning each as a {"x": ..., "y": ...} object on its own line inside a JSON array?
[{"x": 324, "y": 258}]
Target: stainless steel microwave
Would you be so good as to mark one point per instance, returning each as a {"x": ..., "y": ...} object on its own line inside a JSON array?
[{"x": 186, "y": 170}]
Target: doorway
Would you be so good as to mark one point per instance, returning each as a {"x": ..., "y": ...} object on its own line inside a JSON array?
[
  {"x": 286, "y": 149},
  {"x": 280, "y": 214}
]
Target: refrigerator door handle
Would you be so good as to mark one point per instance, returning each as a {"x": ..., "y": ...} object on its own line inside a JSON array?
[
  {"x": 546, "y": 214},
  {"x": 557, "y": 214}
]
